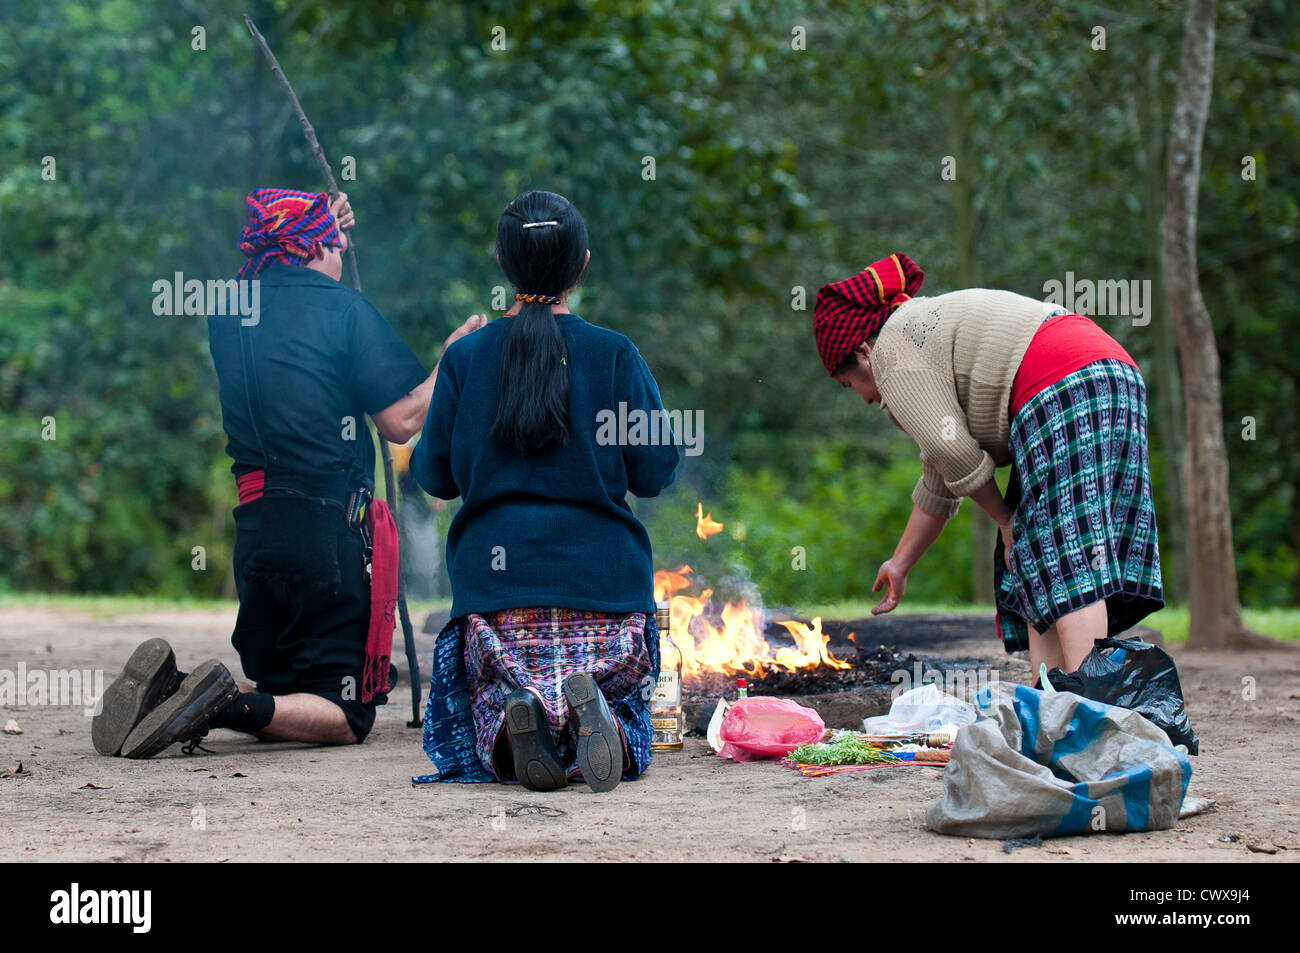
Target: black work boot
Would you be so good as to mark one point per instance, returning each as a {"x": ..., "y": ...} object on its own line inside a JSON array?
[
  {"x": 148, "y": 679},
  {"x": 537, "y": 763},
  {"x": 187, "y": 714},
  {"x": 600, "y": 746}
]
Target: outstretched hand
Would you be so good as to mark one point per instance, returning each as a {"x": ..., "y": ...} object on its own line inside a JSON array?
[{"x": 894, "y": 578}]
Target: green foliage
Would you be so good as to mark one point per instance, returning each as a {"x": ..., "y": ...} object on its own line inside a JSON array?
[
  {"x": 839, "y": 522},
  {"x": 776, "y": 169},
  {"x": 1172, "y": 623}
]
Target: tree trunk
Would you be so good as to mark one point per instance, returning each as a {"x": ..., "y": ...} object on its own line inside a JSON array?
[
  {"x": 1213, "y": 599},
  {"x": 1166, "y": 424}
]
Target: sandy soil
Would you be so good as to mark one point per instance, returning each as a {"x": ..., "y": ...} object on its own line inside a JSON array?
[{"x": 259, "y": 802}]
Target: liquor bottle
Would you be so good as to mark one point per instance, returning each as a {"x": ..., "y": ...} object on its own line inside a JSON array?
[{"x": 667, "y": 722}]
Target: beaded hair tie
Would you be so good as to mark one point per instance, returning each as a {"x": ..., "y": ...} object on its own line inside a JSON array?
[{"x": 538, "y": 299}]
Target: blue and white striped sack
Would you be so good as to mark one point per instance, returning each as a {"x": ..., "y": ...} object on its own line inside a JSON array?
[{"x": 1057, "y": 763}]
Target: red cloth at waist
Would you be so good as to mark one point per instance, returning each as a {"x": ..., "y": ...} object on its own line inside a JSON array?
[
  {"x": 249, "y": 485},
  {"x": 1061, "y": 346},
  {"x": 382, "y": 529},
  {"x": 385, "y": 556}
]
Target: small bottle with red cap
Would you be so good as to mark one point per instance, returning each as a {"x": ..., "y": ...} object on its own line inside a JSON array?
[{"x": 742, "y": 688}]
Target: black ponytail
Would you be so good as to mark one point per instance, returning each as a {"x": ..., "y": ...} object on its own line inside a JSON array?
[{"x": 542, "y": 260}]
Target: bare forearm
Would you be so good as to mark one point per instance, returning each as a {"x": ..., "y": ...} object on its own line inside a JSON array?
[
  {"x": 989, "y": 499},
  {"x": 422, "y": 395},
  {"x": 401, "y": 421},
  {"x": 922, "y": 530}
]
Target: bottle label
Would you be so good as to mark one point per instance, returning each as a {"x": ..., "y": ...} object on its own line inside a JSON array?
[
  {"x": 664, "y": 724},
  {"x": 668, "y": 690}
]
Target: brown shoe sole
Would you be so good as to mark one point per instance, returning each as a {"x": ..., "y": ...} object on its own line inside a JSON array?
[
  {"x": 537, "y": 764},
  {"x": 206, "y": 690},
  {"x": 600, "y": 746},
  {"x": 146, "y": 679}
]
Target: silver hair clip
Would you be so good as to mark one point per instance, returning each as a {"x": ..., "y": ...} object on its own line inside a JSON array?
[{"x": 538, "y": 224}]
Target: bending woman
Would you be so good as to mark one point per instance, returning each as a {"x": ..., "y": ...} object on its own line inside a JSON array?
[
  {"x": 980, "y": 379},
  {"x": 542, "y": 674}
]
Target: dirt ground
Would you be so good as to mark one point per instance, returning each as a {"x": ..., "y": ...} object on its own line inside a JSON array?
[{"x": 270, "y": 802}]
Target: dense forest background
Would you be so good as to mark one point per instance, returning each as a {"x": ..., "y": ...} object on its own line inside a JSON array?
[{"x": 999, "y": 144}]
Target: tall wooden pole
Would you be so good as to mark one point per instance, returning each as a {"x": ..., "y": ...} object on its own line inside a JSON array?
[{"x": 390, "y": 483}]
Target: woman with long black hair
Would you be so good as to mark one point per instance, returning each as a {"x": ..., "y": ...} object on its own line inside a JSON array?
[{"x": 544, "y": 671}]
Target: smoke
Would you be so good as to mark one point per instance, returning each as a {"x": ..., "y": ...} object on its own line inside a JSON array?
[{"x": 735, "y": 585}]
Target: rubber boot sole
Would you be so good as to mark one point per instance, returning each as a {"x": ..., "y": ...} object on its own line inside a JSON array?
[
  {"x": 207, "y": 690},
  {"x": 537, "y": 763},
  {"x": 143, "y": 685},
  {"x": 600, "y": 746}
]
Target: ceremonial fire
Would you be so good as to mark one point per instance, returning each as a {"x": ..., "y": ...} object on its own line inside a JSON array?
[{"x": 732, "y": 640}]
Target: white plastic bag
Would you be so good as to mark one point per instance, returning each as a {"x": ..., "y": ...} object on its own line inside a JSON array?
[{"x": 922, "y": 709}]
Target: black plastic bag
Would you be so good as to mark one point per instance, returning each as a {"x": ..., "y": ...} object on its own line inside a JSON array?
[{"x": 1136, "y": 675}]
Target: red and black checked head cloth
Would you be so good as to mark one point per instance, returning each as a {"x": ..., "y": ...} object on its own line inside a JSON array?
[
  {"x": 283, "y": 226},
  {"x": 850, "y": 311}
]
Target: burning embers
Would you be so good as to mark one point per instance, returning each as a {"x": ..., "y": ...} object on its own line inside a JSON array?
[{"x": 732, "y": 641}]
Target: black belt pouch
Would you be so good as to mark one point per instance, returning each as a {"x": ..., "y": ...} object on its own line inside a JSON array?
[{"x": 301, "y": 516}]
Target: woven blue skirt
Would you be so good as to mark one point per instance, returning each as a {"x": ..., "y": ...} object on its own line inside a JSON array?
[{"x": 1084, "y": 523}]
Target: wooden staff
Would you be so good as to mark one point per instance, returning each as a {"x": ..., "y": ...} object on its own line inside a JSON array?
[{"x": 390, "y": 483}]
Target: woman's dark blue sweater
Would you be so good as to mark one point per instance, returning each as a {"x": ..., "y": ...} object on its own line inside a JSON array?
[{"x": 554, "y": 528}]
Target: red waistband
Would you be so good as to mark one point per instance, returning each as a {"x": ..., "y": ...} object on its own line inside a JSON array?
[
  {"x": 250, "y": 485},
  {"x": 1061, "y": 345}
]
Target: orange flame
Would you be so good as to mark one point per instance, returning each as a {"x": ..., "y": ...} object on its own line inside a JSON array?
[
  {"x": 705, "y": 526},
  {"x": 666, "y": 582},
  {"x": 811, "y": 644},
  {"x": 737, "y": 646}
]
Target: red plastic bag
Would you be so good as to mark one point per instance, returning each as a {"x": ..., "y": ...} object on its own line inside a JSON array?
[{"x": 767, "y": 728}]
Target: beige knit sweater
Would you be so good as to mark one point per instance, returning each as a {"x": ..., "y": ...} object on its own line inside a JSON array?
[{"x": 944, "y": 367}]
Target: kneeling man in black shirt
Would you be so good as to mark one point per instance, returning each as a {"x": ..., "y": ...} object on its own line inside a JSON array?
[{"x": 296, "y": 377}]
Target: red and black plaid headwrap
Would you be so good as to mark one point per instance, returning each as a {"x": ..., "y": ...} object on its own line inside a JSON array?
[
  {"x": 283, "y": 226},
  {"x": 850, "y": 311}
]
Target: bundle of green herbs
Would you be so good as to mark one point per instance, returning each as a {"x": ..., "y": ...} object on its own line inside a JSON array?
[{"x": 847, "y": 748}]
